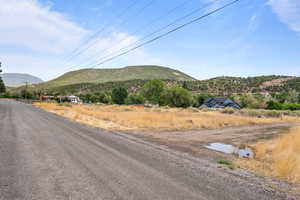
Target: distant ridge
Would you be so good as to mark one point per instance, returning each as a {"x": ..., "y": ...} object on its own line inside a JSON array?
[{"x": 18, "y": 79}]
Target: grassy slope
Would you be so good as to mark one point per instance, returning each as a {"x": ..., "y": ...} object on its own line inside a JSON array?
[{"x": 123, "y": 74}]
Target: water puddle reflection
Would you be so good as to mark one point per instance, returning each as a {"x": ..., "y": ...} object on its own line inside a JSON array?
[{"x": 230, "y": 149}]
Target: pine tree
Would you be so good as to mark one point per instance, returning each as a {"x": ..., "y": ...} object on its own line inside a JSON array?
[
  {"x": 2, "y": 86},
  {"x": 185, "y": 85}
]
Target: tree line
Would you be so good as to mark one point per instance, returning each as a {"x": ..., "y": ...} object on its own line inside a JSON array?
[
  {"x": 175, "y": 95},
  {"x": 153, "y": 92}
]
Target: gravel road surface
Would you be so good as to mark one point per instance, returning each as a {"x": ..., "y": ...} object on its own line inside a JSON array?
[{"x": 47, "y": 157}]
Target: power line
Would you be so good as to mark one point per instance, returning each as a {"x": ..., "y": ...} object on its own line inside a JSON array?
[
  {"x": 155, "y": 32},
  {"x": 167, "y": 33},
  {"x": 90, "y": 45},
  {"x": 167, "y": 13},
  {"x": 104, "y": 27}
]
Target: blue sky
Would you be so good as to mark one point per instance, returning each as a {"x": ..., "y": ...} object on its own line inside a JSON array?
[{"x": 253, "y": 37}]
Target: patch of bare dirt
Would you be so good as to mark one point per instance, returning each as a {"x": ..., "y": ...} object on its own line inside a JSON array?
[{"x": 194, "y": 141}]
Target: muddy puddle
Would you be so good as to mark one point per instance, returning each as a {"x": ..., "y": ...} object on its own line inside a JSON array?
[{"x": 230, "y": 149}]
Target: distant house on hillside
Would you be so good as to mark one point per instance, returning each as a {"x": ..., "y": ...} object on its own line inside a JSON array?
[{"x": 221, "y": 103}]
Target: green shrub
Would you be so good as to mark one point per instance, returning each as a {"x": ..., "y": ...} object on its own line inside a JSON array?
[
  {"x": 273, "y": 105},
  {"x": 291, "y": 106},
  {"x": 153, "y": 90},
  {"x": 25, "y": 94},
  {"x": 135, "y": 99},
  {"x": 255, "y": 101},
  {"x": 100, "y": 97},
  {"x": 200, "y": 98},
  {"x": 224, "y": 162},
  {"x": 107, "y": 99},
  {"x": 177, "y": 97},
  {"x": 2, "y": 86},
  {"x": 119, "y": 95}
]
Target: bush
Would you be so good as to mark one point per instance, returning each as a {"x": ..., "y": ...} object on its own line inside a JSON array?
[
  {"x": 2, "y": 86},
  {"x": 291, "y": 106},
  {"x": 135, "y": 99},
  {"x": 99, "y": 97},
  {"x": 255, "y": 101},
  {"x": 153, "y": 90},
  {"x": 26, "y": 95},
  {"x": 6, "y": 95},
  {"x": 94, "y": 98},
  {"x": 224, "y": 162},
  {"x": 286, "y": 97},
  {"x": 177, "y": 97},
  {"x": 119, "y": 95},
  {"x": 200, "y": 98},
  {"x": 272, "y": 105}
]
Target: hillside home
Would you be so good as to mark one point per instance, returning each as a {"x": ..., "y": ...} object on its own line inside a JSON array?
[{"x": 217, "y": 103}]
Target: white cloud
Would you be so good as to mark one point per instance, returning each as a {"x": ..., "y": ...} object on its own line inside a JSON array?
[
  {"x": 288, "y": 12},
  {"x": 252, "y": 25},
  {"x": 27, "y": 23},
  {"x": 31, "y": 27}
]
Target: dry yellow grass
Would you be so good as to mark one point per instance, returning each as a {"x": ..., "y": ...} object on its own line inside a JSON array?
[
  {"x": 279, "y": 157},
  {"x": 116, "y": 117}
]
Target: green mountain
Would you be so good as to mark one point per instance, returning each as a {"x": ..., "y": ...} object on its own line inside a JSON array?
[{"x": 114, "y": 75}]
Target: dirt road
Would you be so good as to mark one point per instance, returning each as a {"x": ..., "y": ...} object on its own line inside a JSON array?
[{"x": 45, "y": 156}]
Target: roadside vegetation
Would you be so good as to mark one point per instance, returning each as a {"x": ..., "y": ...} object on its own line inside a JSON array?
[
  {"x": 278, "y": 157},
  {"x": 180, "y": 94},
  {"x": 265, "y": 92},
  {"x": 143, "y": 118}
]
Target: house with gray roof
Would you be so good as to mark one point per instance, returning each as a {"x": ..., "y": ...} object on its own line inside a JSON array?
[{"x": 217, "y": 103}]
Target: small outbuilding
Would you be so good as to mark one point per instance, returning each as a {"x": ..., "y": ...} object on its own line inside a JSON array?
[{"x": 217, "y": 103}]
